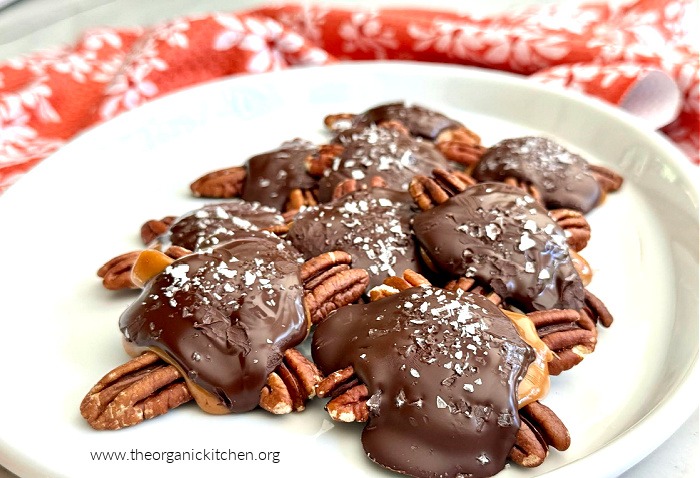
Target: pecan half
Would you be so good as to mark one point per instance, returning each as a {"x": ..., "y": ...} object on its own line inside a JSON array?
[
  {"x": 116, "y": 273},
  {"x": 339, "y": 121},
  {"x": 454, "y": 182},
  {"x": 291, "y": 385},
  {"x": 333, "y": 382},
  {"x": 349, "y": 396},
  {"x": 275, "y": 396},
  {"x": 460, "y": 145},
  {"x": 298, "y": 199},
  {"x": 154, "y": 228},
  {"x": 281, "y": 229},
  {"x": 548, "y": 424},
  {"x": 540, "y": 428},
  {"x": 461, "y": 134},
  {"x": 596, "y": 309},
  {"x": 350, "y": 406},
  {"x": 176, "y": 252},
  {"x": 528, "y": 451},
  {"x": 395, "y": 125},
  {"x": 321, "y": 161},
  {"x": 142, "y": 388},
  {"x": 349, "y": 185},
  {"x": 305, "y": 370},
  {"x": 575, "y": 226},
  {"x": 428, "y": 192},
  {"x": 468, "y": 284},
  {"x": 393, "y": 284},
  {"x": 344, "y": 187},
  {"x": 608, "y": 179},
  {"x": 568, "y": 334},
  {"x": 221, "y": 184},
  {"x": 526, "y": 186},
  {"x": 330, "y": 283},
  {"x": 465, "y": 154}
]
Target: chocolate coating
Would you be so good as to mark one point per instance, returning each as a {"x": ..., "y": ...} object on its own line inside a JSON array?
[
  {"x": 214, "y": 222},
  {"x": 225, "y": 315},
  {"x": 503, "y": 238},
  {"x": 442, "y": 370},
  {"x": 419, "y": 120},
  {"x": 384, "y": 152},
  {"x": 272, "y": 175},
  {"x": 373, "y": 226},
  {"x": 562, "y": 177}
]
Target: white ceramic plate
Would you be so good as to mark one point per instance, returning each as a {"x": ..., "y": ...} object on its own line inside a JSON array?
[{"x": 85, "y": 204}]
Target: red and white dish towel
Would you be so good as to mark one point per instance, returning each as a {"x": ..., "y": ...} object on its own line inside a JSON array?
[{"x": 640, "y": 56}]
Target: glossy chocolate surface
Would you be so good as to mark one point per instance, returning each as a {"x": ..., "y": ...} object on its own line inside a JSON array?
[
  {"x": 272, "y": 175},
  {"x": 562, "y": 177},
  {"x": 442, "y": 370},
  {"x": 225, "y": 315},
  {"x": 384, "y": 152},
  {"x": 212, "y": 223},
  {"x": 373, "y": 226},
  {"x": 504, "y": 239},
  {"x": 419, "y": 120}
]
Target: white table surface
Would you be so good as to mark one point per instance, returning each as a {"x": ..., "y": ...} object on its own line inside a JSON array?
[{"x": 28, "y": 25}]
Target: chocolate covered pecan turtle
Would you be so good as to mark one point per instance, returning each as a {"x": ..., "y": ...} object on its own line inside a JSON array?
[
  {"x": 437, "y": 375},
  {"x": 382, "y": 151},
  {"x": 548, "y": 171},
  {"x": 502, "y": 239},
  {"x": 454, "y": 140},
  {"x": 269, "y": 177},
  {"x": 372, "y": 225},
  {"x": 500, "y": 236},
  {"x": 178, "y": 236},
  {"x": 222, "y": 323}
]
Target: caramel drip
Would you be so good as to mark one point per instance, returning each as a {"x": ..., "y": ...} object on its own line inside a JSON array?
[
  {"x": 582, "y": 267},
  {"x": 535, "y": 384},
  {"x": 149, "y": 264}
]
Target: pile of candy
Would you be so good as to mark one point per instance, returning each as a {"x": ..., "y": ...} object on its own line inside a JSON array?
[{"x": 438, "y": 281}]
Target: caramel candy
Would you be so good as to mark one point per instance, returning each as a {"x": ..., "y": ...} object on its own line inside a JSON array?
[
  {"x": 223, "y": 316},
  {"x": 582, "y": 267},
  {"x": 376, "y": 151},
  {"x": 442, "y": 371},
  {"x": 504, "y": 239},
  {"x": 373, "y": 226},
  {"x": 562, "y": 178}
]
